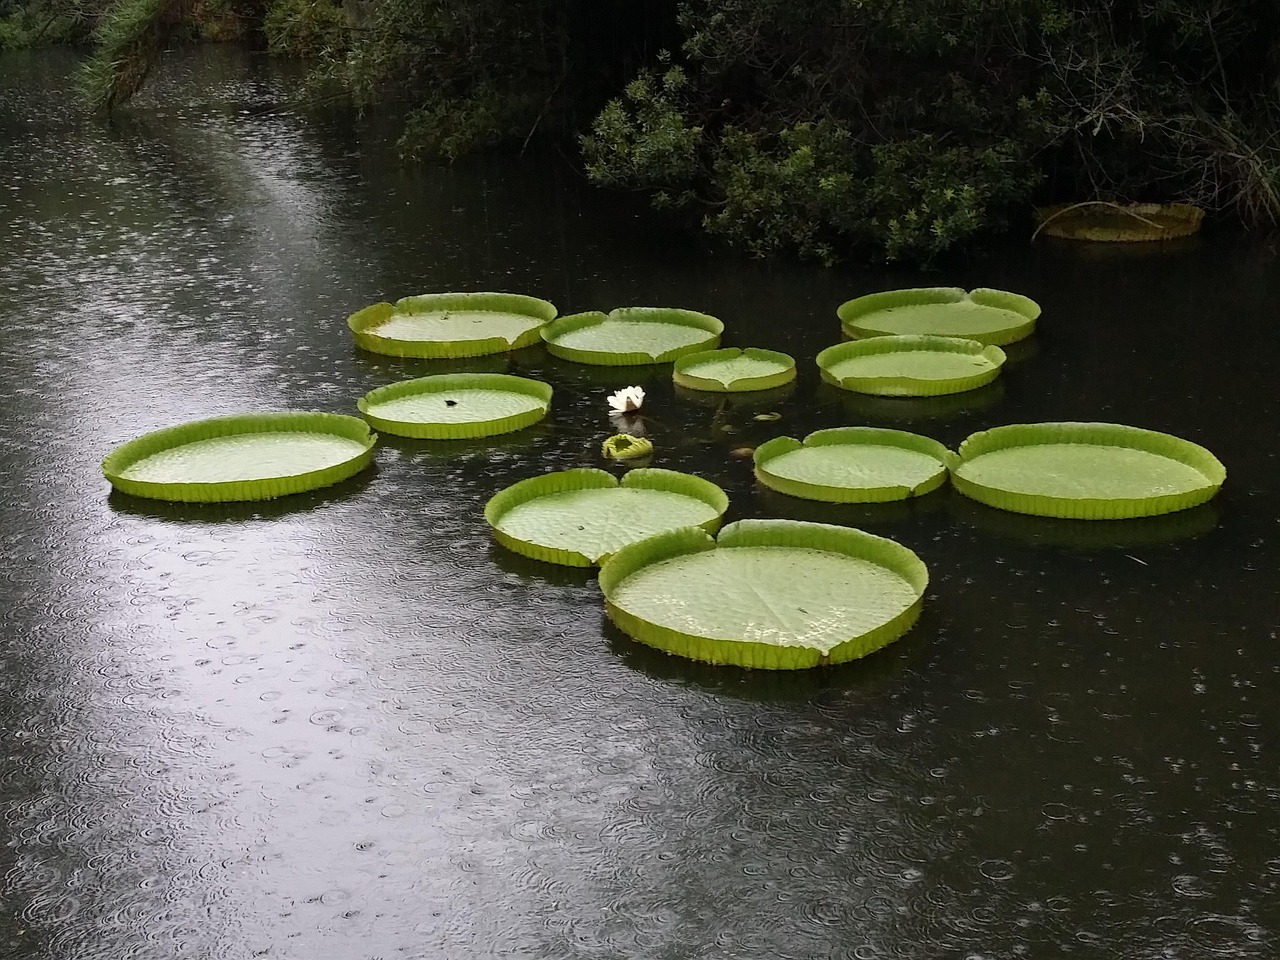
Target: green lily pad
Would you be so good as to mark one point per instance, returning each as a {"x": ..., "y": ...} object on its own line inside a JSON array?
[
  {"x": 1085, "y": 471},
  {"x": 447, "y": 325},
  {"x": 989, "y": 316},
  {"x": 457, "y": 406},
  {"x": 623, "y": 446},
  {"x": 249, "y": 457},
  {"x": 770, "y": 594},
  {"x": 578, "y": 517},
  {"x": 853, "y": 465},
  {"x": 630, "y": 336},
  {"x": 1102, "y": 221},
  {"x": 734, "y": 370},
  {"x": 910, "y": 366}
]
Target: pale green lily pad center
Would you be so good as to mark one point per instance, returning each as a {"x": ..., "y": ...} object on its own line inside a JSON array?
[
  {"x": 962, "y": 318},
  {"x": 454, "y": 325},
  {"x": 1081, "y": 471},
  {"x": 785, "y": 596},
  {"x": 914, "y": 364},
  {"x": 456, "y": 406},
  {"x": 247, "y": 456},
  {"x": 632, "y": 336},
  {"x": 737, "y": 368},
  {"x": 855, "y": 466}
]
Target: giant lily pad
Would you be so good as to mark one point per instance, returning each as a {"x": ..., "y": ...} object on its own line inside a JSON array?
[
  {"x": 771, "y": 594},
  {"x": 249, "y": 457},
  {"x": 578, "y": 517},
  {"x": 1085, "y": 471},
  {"x": 734, "y": 370},
  {"x": 853, "y": 465},
  {"x": 910, "y": 366},
  {"x": 457, "y": 406},
  {"x": 446, "y": 325},
  {"x": 989, "y": 316},
  {"x": 1102, "y": 221},
  {"x": 629, "y": 336}
]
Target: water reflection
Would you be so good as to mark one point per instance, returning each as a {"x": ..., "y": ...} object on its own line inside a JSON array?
[
  {"x": 864, "y": 408},
  {"x": 1086, "y": 534}
]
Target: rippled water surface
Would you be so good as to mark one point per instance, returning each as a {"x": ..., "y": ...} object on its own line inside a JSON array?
[{"x": 344, "y": 725}]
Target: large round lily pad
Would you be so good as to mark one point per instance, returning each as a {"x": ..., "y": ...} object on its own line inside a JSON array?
[
  {"x": 1102, "y": 221},
  {"x": 249, "y": 457},
  {"x": 853, "y": 465},
  {"x": 734, "y": 370},
  {"x": 910, "y": 366},
  {"x": 770, "y": 594},
  {"x": 989, "y": 316},
  {"x": 457, "y": 406},
  {"x": 629, "y": 336},
  {"x": 1085, "y": 471},
  {"x": 446, "y": 325},
  {"x": 579, "y": 517}
]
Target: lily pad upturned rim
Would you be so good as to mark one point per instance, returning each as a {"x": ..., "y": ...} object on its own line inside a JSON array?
[
  {"x": 1097, "y": 434},
  {"x": 363, "y": 322},
  {"x": 684, "y": 372},
  {"x": 907, "y": 386},
  {"x": 589, "y": 478},
  {"x": 854, "y": 313},
  {"x": 858, "y": 544},
  {"x": 874, "y": 436},
  {"x": 1146, "y": 221},
  {"x": 127, "y": 454},
  {"x": 561, "y": 326},
  {"x": 443, "y": 382}
]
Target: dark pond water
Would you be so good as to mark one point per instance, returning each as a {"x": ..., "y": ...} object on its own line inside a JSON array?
[{"x": 346, "y": 726}]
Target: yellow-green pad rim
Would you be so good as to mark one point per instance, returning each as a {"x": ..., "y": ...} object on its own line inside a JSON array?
[
  {"x": 846, "y": 541},
  {"x": 858, "y": 317},
  {"x": 1096, "y": 434},
  {"x": 364, "y": 322},
  {"x": 1104, "y": 222},
  {"x": 685, "y": 371},
  {"x": 989, "y": 358},
  {"x": 709, "y": 327},
  {"x": 442, "y": 383},
  {"x": 127, "y": 454},
  {"x": 865, "y": 436}
]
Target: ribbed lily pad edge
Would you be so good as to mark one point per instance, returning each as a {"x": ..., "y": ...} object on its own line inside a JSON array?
[
  {"x": 562, "y": 326},
  {"x": 852, "y": 313},
  {"x": 906, "y": 386},
  {"x": 439, "y": 383},
  {"x": 875, "y": 436},
  {"x": 590, "y": 478},
  {"x": 684, "y": 372},
  {"x": 1071, "y": 221},
  {"x": 757, "y": 533},
  {"x": 268, "y": 488},
  {"x": 363, "y": 322},
  {"x": 1106, "y": 434}
]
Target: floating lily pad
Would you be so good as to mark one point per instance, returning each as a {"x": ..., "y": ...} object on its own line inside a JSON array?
[
  {"x": 989, "y": 316},
  {"x": 853, "y": 465},
  {"x": 623, "y": 446},
  {"x": 1085, "y": 471},
  {"x": 1101, "y": 221},
  {"x": 734, "y": 370},
  {"x": 579, "y": 517},
  {"x": 249, "y": 457},
  {"x": 771, "y": 594},
  {"x": 457, "y": 406},
  {"x": 446, "y": 325},
  {"x": 910, "y": 366},
  {"x": 629, "y": 336}
]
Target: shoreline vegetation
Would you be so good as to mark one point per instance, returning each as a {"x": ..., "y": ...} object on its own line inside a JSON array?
[{"x": 889, "y": 129}]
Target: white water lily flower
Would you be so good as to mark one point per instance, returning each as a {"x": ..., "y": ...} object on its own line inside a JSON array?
[{"x": 626, "y": 399}]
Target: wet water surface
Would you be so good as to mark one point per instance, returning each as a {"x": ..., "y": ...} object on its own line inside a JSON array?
[{"x": 345, "y": 725}]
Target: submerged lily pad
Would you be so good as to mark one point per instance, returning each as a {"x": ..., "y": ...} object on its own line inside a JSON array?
[
  {"x": 910, "y": 366},
  {"x": 734, "y": 370},
  {"x": 445, "y": 325},
  {"x": 853, "y": 465},
  {"x": 457, "y": 406},
  {"x": 770, "y": 594},
  {"x": 578, "y": 517},
  {"x": 1085, "y": 471},
  {"x": 629, "y": 336},
  {"x": 1101, "y": 221},
  {"x": 989, "y": 316},
  {"x": 250, "y": 457}
]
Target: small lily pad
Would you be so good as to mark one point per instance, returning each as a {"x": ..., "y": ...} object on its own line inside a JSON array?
[
  {"x": 989, "y": 316},
  {"x": 769, "y": 594},
  {"x": 447, "y": 325},
  {"x": 578, "y": 517},
  {"x": 910, "y": 366},
  {"x": 853, "y": 465},
  {"x": 457, "y": 406},
  {"x": 624, "y": 446},
  {"x": 734, "y": 370},
  {"x": 630, "y": 336}
]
